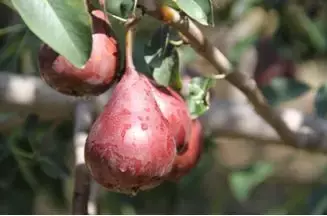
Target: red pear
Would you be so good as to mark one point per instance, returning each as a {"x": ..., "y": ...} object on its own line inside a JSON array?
[
  {"x": 98, "y": 73},
  {"x": 176, "y": 112},
  {"x": 130, "y": 147},
  {"x": 185, "y": 161}
]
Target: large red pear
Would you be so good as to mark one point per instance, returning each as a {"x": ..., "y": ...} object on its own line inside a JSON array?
[
  {"x": 176, "y": 112},
  {"x": 130, "y": 147},
  {"x": 186, "y": 160}
]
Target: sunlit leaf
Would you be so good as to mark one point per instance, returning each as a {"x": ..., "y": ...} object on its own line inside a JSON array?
[
  {"x": 162, "y": 74},
  {"x": 197, "y": 95},
  {"x": 207, "y": 8},
  {"x": 63, "y": 25},
  {"x": 193, "y": 9}
]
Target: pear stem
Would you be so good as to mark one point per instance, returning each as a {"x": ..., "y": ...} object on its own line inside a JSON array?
[{"x": 129, "y": 48}]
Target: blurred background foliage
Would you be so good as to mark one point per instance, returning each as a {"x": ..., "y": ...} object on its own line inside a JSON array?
[{"x": 36, "y": 157}]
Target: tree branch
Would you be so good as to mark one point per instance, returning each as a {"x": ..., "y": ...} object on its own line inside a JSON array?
[
  {"x": 224, "y": 118},
  {"x": 244, "y": 83},
  {"x": 24, "y": 94},
  {"x": 83, "y": 120},
  {"x": 93, "y": 204},
  {"x": 30, "y": 94},
  {"x": 238, "y": 120}
]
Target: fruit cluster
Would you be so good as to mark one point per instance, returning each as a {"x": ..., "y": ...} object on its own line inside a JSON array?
[{"x": 145, "y": 135}]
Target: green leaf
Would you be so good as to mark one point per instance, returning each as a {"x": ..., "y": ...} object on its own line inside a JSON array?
[
  {"x": 166, "y": 59},
  {"x": 175, "y": 77},
  {"x": 30, "y": 125},
  {"x": 17, "y": 45},
  {"x": 185, "y": 54},
  {"x": 160, "y": 56},
  {"x": 11, "y": 50},
  {"x": 241, "y": 185},
  {"x": 239, "y": 8},
  {"x": 120, "y": 8},
  {"x": 162, "y": 74},
  {"x": 243, "y": 182},
  {"x": 300, "y": 23},
  {"x": 52, "y": 169},
  {"x": 23, "y": 155},
  {"x": 320, "y": 207},
  {"x": 25, "y": 165},
  {"x": 207, "y": 8},
  {"x": 8, "y": 3},
  {"x": 11, "y": 29},
  {"x": 193, "y": 9},
  {"x": 321, "y": 101},
  {"x": 174, "y": 37},
  {"x": 64, "y": 25},
  {"x": 155, "y": 49},
  {"x": 315, "y": 36},
  {"x": 138, "y": 55},
  {"x": 197, "y": 96},
  {"x": 171, "y": 3},
  {"x": 168, "y": 72},
  {"x": 119, "y": 31},
  {"x": 283, "y": 89},
  {"x": 240, "y": 47}
]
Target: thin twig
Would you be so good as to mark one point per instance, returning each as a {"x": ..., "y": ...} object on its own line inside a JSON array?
[
  {"x": 81, "y": 191},
  {"x": 223, "y": 66},
  {"x": 83, "y": 120},
  {"x": 93, "y": 203}
]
